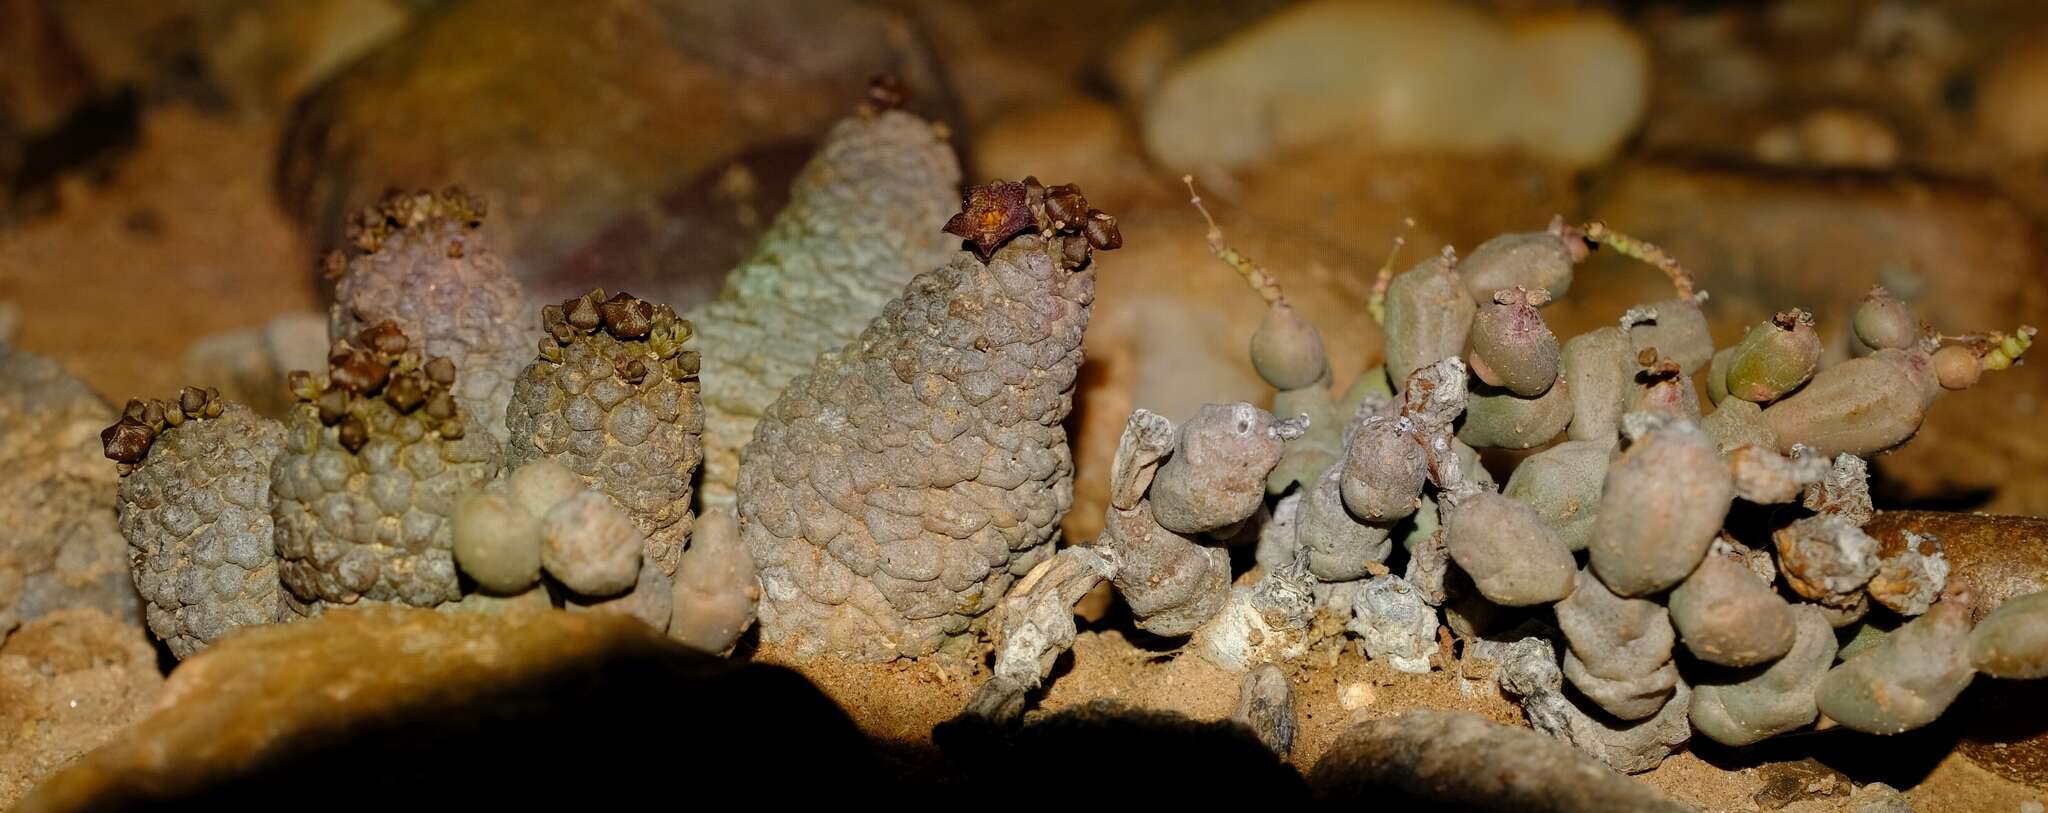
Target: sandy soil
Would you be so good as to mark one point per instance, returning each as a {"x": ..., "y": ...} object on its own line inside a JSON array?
[{"x": 184, "y": 240}]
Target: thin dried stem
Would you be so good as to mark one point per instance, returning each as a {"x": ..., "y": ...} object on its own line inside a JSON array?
[
  {"x": 1377, "y": 303},
  {"x": 1646, "y": 251},
  {"x": 1254, "y": 275}
]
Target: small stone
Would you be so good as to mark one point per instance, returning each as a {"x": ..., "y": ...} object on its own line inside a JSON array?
[
  {"x": 1265, "y": 703},
  {"x": 591, "y": 546},
  {"x": 1355, "y": 696},
  {"x": 541, "y": 485},
  {"x": 497, "y": 543}
]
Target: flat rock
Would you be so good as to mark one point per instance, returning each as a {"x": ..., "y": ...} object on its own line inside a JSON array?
[
  {"x": 68, "y": 681},
  {"x": 582, "y": 706},
  {"x": 62, "y": 547}
]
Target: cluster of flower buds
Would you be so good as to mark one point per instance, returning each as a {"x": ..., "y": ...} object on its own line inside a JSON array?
[{"x": 380, "y": 363}]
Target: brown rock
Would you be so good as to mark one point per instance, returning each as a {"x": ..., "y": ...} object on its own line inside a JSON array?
[
  {"x": 636, "y": 144},
  {"x": 493, "y": 708},
  {"x": 1082, "y": 142},
  {"x": 61, "y": 547},
  {"x": 68, "y": 681},
  {"x": 1965, "y": 258},
  {"x": 1994, "y": 558}
]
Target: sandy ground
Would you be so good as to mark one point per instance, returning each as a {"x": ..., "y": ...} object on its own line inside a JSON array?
[{"x": 183, "y": 241}]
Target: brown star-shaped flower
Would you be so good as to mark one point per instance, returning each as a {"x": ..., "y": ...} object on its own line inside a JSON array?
[{"x": 992, "y": 214}]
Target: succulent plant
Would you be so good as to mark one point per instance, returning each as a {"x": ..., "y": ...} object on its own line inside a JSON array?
[
  {"x": 376, "y": 455},
  {"x": 195, "y": 506},
  {"x": 891, "y": 495},
  {"x": 423, "y": 263},
  {"x": 1644, "y": 483},
  {"x": 613, "y": 397}
]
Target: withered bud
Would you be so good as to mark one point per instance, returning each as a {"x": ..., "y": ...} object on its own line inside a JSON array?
[
  {"x": 440, "y": 405},
  {"x": 691, "y": 361},
  {"x": 332, "y": 405},
  {"x": 128, "y": 440},
  {"x": 301, "y": 385},
  {"x": 175, "y": 417},
  {"x": 352, "y": 434},
  {"x": 1102, "y": 232},
  {"x": 886, "y": 92},
  {"x": 1073, "y": 250},
  {"x": 1883, "y": 322},
  {"x": 214, "y": 404},
  {"x": 406, "y": 392},
  {"x": 581, "y": 312},
  {"x": 1957, "y": 367},
  {"x": 626, "y": 317},
  {"x": 1646, "y": 357},
  {"x": 133, "y": 410},
  {"x": 383, "y": 338},
  {"x": 440, "y": 370},
  {"x": 632, "y": 371},
  {"x": 153, "y": 412},
  {"x": 452, "y": 430},
  {"x": 1034, "y": 198},
  {"x": 192, "y": 401},
  {"x": 1065, "y": 207},
  {"x": 355, "y": 370}
]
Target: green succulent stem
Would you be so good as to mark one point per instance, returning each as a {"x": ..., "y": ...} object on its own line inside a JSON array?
[
  {"x": 1645, "y": 251},
  {"x": 1257, "y": 277}
]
